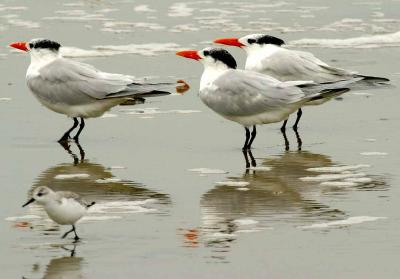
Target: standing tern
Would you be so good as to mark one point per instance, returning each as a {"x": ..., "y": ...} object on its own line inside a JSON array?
[
  {"x": 64, "y": 208},
  {"x": 79, "y": 90},
  {"x": 250, "y": 98},
  {"x": 266, "y": 55}
]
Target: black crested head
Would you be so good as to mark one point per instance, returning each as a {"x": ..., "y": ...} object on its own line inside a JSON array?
[
  {"x": 44, "y": 44},
  {"x": 266, "y": 39},
  {"x": 222, "y": 55}
]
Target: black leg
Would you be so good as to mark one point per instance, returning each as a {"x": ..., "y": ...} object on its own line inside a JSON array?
[
  {"x": 252, "y": 160},
  {"x": 299, "y": 113},
  {"x": 68, "y": 232},
  {"x": 65, "y": 137},
  {"x": 253, "y": 136},
  {"x": 286, "y": 140},
  {"x": 245, "y": 146},
  {"x": 299, "y": 141},
  {"x": 76, "y": 238},
  {"x": 246, "y": 158},
  {"x": 76, "y": 138},
  {"x": 283, "y": 128}
]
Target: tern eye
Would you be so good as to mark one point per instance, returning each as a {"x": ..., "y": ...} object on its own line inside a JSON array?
[
  {"x": 30, "y": 45},
  {"x": 206, "y": 53},
  {"x": 251, "y": 41},
  {"x": 40, "y": 194}
]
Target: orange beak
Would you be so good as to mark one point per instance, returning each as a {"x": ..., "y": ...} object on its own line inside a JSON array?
[
  {"x": 192, "y": 54},
  {"x": 229, "y": 42},
  {"x": 20, "y": 45}
]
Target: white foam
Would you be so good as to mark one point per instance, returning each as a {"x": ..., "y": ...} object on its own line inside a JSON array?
[
  {"x": 80, "y": 18},
  {"x": 338, "y": 183},
  {"x": 362, "y": 94},
  {"x": 117, "y": 167},
  {"x": 242, "y": 189},
  {"x": 260, "y": 168},
  {"x": 150, "y": 49},
  {"x": 338, "y": 168},
  {"x": 373, "y": 153},
  {"x": 370, "y": 140},
  {"x": 180, "y": 10},
  {"x": 208, "y": 171},
  {"x": 23, "y": 23},
  {"x": 143, "y": 8},
  {"x": 151, "y": 111},
  {"x": 98, "y": 218},
  {"x": 233, "y": 183},
  {"x": 359, "y": 180},
  {"x": 123, "y": 207},
  {"x": 346, "y": 222},
  {"x": 12, "y": 8},
  {"x": 25, "y": 217},
  {"x": 329, "y": 177},
  {"x": 72, "y": 175},
  {"x": 245, "y": 222},
  {"x": 5, "y": 99},
  {"x": 248, "y": 231},
  {"x": 219, "y": 235},
  {"x": 374, "y": 41},
  {"x": 108, "y": 115},
  {"x": 108, "y": 180},
  {"x": 129, "y": 27}
]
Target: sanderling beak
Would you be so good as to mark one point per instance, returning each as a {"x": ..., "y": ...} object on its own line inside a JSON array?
[{"x": 28, "y": 202}]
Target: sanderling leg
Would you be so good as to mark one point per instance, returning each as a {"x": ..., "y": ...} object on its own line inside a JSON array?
[
  {"x": 76, "y": 236},
  {"x": 68, "y": 232}
]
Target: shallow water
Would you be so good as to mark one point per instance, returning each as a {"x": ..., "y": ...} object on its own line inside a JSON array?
[{"x": 174, "y": 194}]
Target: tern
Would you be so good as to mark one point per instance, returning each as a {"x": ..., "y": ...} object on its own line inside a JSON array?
[
  {"x": 64, "y": 208},
  {"x": 79, "y": 90},
  {"x": 266, "y": 55},
  {"x": 250, "y": 98}
]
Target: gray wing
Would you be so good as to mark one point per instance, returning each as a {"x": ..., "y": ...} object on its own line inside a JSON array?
[
  {"x": 71, "y": 82},
  {"x": 241, "y": 93},
  {"x": 71, "y": 195},
  {"x": 299, "y": 65}
]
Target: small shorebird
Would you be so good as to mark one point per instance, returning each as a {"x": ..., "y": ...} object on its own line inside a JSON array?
[{"x": 64, "y": 208}]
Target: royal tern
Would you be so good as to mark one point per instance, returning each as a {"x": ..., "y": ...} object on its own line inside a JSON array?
[
  {"x": 64, "y": 208},
  {"x": 266, "y": 55},
  {"x": 250, "y": 98},
  {"x": 79, "y": 90}
]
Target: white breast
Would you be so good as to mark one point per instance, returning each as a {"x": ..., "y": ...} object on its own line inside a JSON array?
[{"x": 68, "y": 212}]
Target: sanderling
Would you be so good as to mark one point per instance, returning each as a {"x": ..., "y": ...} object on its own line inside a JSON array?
[{"x": 64, "y": 208}]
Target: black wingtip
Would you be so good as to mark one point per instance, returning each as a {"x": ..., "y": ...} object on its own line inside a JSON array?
[
  {"x": 374, "y": 79},
  {"x": 91, "y": 204}
]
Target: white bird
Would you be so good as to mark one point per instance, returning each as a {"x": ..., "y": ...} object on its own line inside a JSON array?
[
  {"x": 251, "y": 98},
  {"x": 64, "y": 208},
  {"x": 266, "y": 55},
  {"x": 77, "y": 89}
]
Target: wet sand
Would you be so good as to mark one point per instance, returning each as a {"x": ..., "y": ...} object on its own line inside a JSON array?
[{"x": 327, "y": 210}]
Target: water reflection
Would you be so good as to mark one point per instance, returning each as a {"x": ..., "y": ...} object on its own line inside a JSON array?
[
  {"x": 114, "y": 197},
  {"x": 271, "y": 195},
  {"x": 93, "y": 180},
  {"x": 69, "y": 266}
]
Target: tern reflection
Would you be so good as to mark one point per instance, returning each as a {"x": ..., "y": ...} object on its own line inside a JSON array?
[
  {"x": 272, "y": 194},
  {"x": 93, "y": 181},
  {"x": 68, "y": 266}
]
